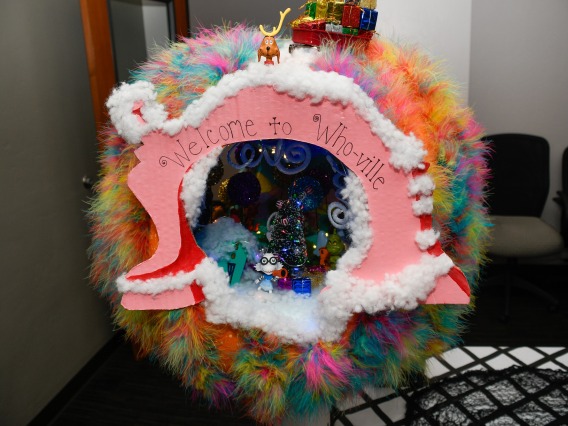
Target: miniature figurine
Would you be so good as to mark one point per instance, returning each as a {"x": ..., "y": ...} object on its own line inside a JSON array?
[
  {"x": 234, "y": 263},
  {"x": 332, "y": 251},
  {"x": 268, "y": 265},
  {"x": 268, "y": 47}
]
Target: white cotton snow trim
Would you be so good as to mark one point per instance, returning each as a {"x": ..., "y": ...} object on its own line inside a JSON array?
[
  {"x": 404, "y": 290},
  {"x": 423, "y": 206},
  {"x": 359, "y": 223},
  {"x": 427, "y": 238},
  {"x": 294, "y": 77},
  {"x": 121, "y": 104},
  {"x": 195, "y": 183},
  {"x": 421, "y": 185},
  {"x": 201, "y": 273}
]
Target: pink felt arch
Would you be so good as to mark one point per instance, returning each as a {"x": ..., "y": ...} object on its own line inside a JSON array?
[{"x": 262, "y": 113}]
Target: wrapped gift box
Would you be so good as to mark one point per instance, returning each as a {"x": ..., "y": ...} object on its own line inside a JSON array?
[
  {"x": 317, "y": 24},
  {"x": 368, "y": 19},
  {"x": 311, "y": 9},
  {"x": 350, "y": 31},
  {"x": 321, "y": 9},
  {"x": 335, "y": 12},
  {"x": 368, "y": 4},
  {"x": 351, "y": 16},
  {"x": 302, "y": 285},
  {"x": 285, "y": 283},
  {"x": 332, "y": 28},
  {"x": 336, "y": 28}
]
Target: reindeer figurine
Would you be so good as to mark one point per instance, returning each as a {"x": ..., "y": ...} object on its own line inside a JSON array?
[{"x": 269, "y": 48}]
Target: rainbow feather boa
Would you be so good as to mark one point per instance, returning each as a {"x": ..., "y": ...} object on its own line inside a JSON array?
[{"x": 270, "y": 379}]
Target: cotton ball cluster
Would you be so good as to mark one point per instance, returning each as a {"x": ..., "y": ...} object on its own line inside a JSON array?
[
  {"x": 423, "y": 206},
  {"x": 129, "y": 97},
  {"x": 214, "y": 280},
  {"x": 174, "y": 282},
  {"x": 359, "y": 223},
  {"x": 426, "y": 238},
  {"x": 421, "y": 185},
  {"x": 404, "y": 290}
]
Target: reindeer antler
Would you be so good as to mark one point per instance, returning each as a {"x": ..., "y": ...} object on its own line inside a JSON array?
[{"x": 275, "y": 30}]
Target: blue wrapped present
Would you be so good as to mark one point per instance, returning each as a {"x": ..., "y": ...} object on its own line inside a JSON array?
[
  {"x": 302, "y": 285},
  {"x": 368, "y": 19}
]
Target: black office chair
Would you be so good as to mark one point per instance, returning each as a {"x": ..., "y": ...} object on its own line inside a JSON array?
[
  {"x": 518, "y": 191},
  {"x": 562, "y": 198}
]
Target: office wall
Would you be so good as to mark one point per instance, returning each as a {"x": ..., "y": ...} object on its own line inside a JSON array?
[
  {"x": 519, "y": 78},
  {"x": 52, "y": 323},
  {"x": 203, "y": 14},
  {"x": 440, "y": 27}
]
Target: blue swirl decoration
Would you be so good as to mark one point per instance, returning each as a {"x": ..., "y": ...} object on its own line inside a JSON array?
[
  {"x": 339, "y": 177},
  {"x": 289, "y": 157}
]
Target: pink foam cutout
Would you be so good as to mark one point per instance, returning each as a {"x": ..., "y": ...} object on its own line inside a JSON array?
[
  {"x": 446, "y": 291},
  {"x": 262, "y": 113},
  {"x": 169, "y": 299}
]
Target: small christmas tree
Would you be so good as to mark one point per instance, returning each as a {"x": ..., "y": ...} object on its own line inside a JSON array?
[{"x": 287, "y": 233}]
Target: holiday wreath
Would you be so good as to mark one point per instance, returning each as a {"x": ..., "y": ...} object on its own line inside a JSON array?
[{"x": 341, "y": 253}]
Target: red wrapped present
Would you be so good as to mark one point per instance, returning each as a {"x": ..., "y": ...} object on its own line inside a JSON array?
[{"x": 351, "y": 16}]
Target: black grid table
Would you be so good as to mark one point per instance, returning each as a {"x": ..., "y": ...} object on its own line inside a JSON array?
[{"x": 387, "y": 407}]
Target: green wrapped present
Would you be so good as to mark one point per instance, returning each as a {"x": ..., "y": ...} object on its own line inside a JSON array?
[
  {"x": 311, "y": 9},
  {"x": 351, "y": 31}
]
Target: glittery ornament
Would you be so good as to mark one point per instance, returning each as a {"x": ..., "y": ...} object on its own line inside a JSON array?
[
  {"x": 216, "y": 174},
  {"x": 223, "y": 193},
  {"x": 308, "y": 191},
  {"x": 324, "y": 175},
  {"x": 244, "y": 189}
]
